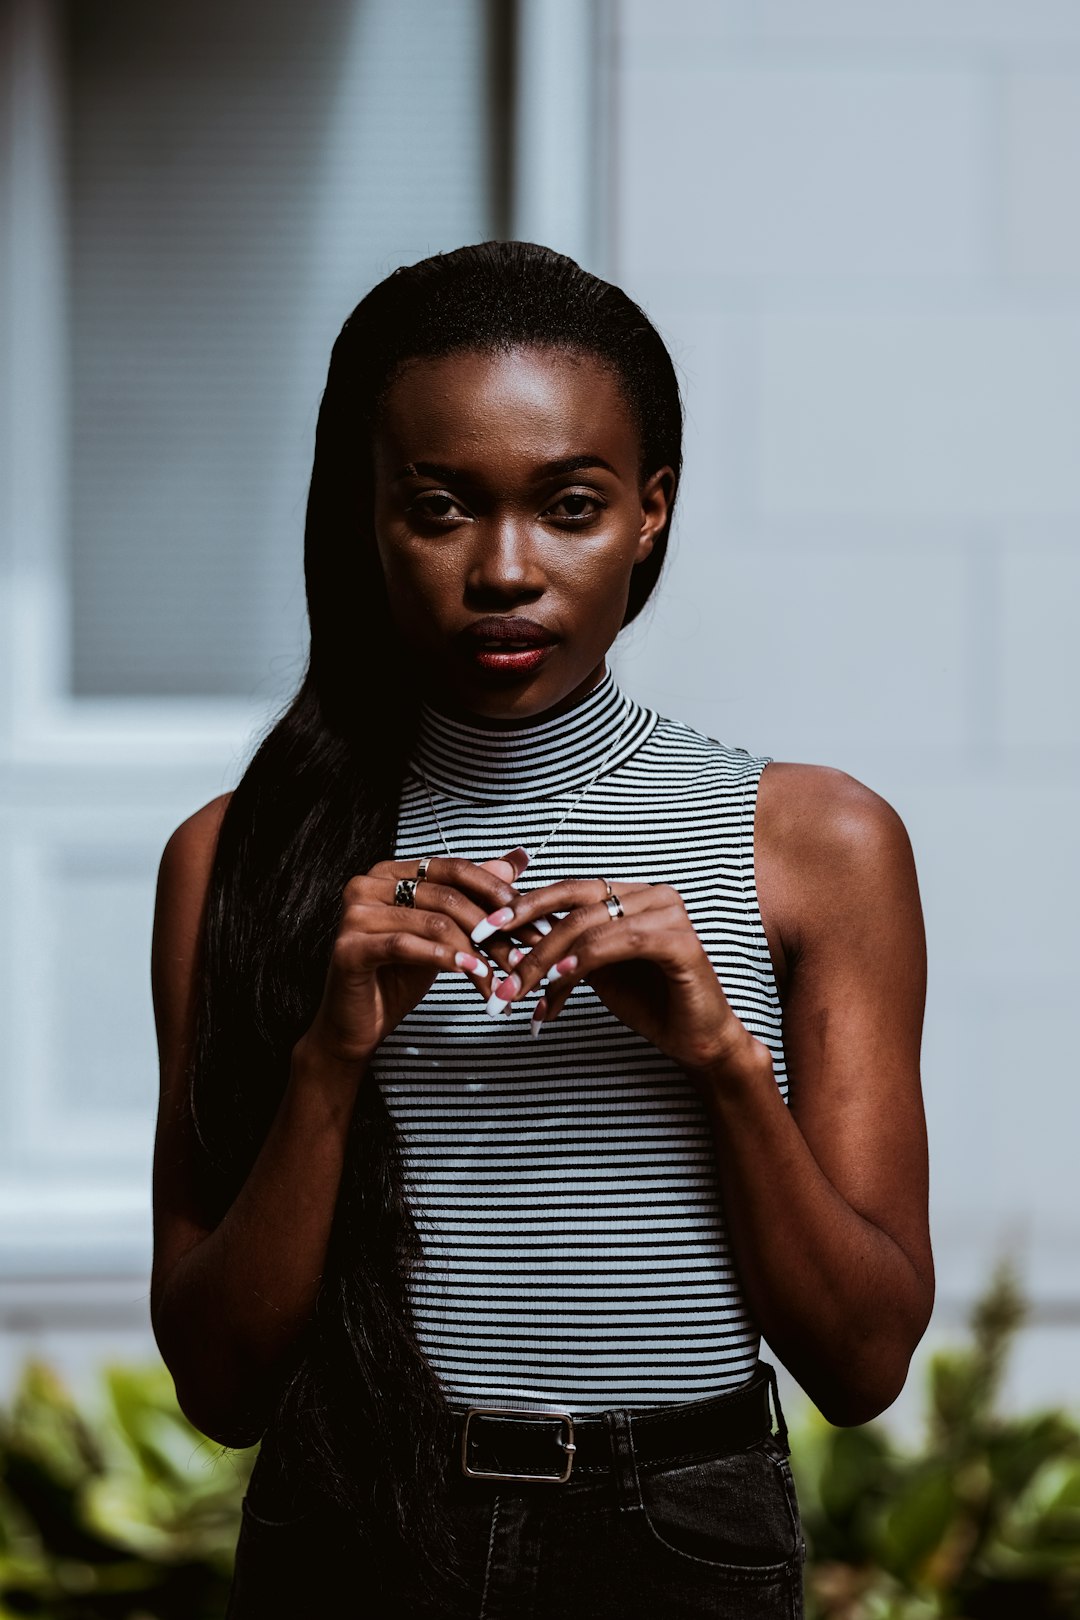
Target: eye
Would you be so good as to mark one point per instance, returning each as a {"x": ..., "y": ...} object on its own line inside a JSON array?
[
  {"x": 434, "y": 507},
  {"x": 575, "y": 499}
]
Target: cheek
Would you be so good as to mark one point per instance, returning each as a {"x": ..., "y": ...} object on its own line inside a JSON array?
[
  {"x": 418, "y": 578},
  {"x": 595, "y": 574},
  {"x": 602, "y": 588}
]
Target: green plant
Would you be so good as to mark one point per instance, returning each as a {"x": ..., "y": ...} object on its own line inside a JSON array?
[
  {"x": 129, "y": 1514},
  {"x": 983, "y": 1522}
]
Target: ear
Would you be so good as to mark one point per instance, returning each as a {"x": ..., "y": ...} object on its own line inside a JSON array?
[{"x": 657, "y": 494}]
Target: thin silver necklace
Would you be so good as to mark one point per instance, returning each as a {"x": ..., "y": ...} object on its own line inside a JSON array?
[{"x": 575, "y": 801}]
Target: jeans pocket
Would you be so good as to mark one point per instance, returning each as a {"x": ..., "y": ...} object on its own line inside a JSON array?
[
  {"x": 773, "y": 1449},
  {"x": 273, "y": 1499},
  {"x": 285, "y": 1522},
  {"x": 277, "y": 1568},
  {"x": 285, "y": 1553},
  {"x": 734, "y": 1513}
]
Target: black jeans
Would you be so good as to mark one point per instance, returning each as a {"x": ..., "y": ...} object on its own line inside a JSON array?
[{"x": 718, "y": 1537}]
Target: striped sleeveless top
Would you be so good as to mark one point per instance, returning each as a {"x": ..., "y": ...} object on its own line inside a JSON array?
[{"x": 566, "y": 1188}]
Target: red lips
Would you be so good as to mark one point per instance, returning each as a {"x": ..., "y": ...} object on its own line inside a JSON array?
[{"x": 499, "y": 628}]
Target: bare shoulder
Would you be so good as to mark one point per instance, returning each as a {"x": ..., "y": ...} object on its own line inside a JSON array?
[
  {"x": 825, "y": 808},
  {"x": 827, "y": 845},
  {"x": 182, "y": 883},
  {"x": 193, "y": 842}
]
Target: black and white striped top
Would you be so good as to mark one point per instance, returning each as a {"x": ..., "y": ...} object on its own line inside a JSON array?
[{"x": 566, "y": 1187}]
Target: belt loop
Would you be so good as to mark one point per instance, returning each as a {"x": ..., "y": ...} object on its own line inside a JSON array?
[
  {"x": 781, "y": 1426},
  {"x": 623, "y": 1459}
]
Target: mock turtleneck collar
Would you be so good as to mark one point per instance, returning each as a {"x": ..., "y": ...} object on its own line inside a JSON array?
[{"x": 537, "y": 760}]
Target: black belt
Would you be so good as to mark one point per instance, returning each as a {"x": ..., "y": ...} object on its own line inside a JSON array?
[{"x": 545, "y": 1445}]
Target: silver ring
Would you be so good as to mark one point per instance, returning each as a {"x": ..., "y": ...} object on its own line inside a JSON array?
[
  {"x": 421, "y": 870},
  {"x": 405, "y": 893},
  {"x": 607, "y": 886},
  {"x": 614, "y": 905}
]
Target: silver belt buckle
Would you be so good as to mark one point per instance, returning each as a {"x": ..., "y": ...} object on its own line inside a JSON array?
[{"x": 568, "y": 1445}]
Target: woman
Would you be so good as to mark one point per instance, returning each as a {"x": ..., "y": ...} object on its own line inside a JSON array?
[{"x": 493, "y": 1303}]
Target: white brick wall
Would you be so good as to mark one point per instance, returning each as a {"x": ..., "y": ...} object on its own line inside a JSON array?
[
  {"x": 981, "y": 25},
  {"x": 1040, "y": 678},
  {"x": 1041, "y": 200},
  {"x": 858, "y": 225},
  {"x": 869, "y": 173},
  {"x": 955, "y": 414}
]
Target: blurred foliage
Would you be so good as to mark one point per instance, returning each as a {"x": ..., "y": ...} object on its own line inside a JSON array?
[
  {"x": 128, "y": 1513},
  {"x": 980, "y": 1523}
]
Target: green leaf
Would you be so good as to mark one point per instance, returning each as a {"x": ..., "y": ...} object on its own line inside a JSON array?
[{"x": 916, "y": 1522}]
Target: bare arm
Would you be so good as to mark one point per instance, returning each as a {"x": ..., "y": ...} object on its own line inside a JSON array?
[
  {"x": 826, "y": 1201},
  {"x": 228, "y": 1303}
]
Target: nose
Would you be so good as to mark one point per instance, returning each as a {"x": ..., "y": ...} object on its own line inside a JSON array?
[{"x": 505, "y": 562}]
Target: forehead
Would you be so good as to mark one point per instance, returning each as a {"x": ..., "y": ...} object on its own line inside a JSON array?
[{"x": 528, "y": 396}]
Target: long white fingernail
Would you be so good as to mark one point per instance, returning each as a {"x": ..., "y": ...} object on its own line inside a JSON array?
[
  {"x": 536, "y": 1023},
  {"x": 495, "y": 1006},
  {"x": 517, "y": 954},
  {"x": 563, "y": 967},
  {"x": 472, "y": 964},
  {"x": 542, "y": 925},
  {"x": 491, "y": 924}
]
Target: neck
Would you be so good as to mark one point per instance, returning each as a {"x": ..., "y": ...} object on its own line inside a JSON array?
[
  {"x": 546, "y": 756},
  {"x": 455, "y": 711}
]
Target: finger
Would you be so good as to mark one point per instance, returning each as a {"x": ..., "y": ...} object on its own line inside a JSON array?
[
  {"x": 510, "y": 866},
  {"x": 659, "y": 935},
  {"x": 568, "y": 894},
  {"x": 361, "y": 951},
  {"x": 537, "y": 908},
  {"x": 441, "y": 899},
  {"x": 430, "y": 895},
  {"x": 501, "y": 869},
  {"x": 528, "y": 936},
  {"x": 457, "y": 952},
  {"x": 486, "y": 887},
  {"x": 563, "y": 945}
]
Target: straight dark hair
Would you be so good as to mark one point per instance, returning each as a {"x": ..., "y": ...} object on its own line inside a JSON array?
[{"x": 360, "y": 1415}]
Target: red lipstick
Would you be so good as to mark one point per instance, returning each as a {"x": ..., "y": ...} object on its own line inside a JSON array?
[{"x": 511, "y": 644}]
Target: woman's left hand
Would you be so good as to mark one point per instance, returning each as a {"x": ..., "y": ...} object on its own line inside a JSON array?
[{"x": 648, "y": 967}]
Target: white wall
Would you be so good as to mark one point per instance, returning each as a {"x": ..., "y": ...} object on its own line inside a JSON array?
[{"x": 858, "y": 225}]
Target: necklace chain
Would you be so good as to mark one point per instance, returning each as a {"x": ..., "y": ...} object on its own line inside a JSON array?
[{"x": 575, "y": 801}]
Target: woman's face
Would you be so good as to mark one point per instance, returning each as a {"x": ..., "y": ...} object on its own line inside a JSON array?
[{"x": 506, "y": 489}]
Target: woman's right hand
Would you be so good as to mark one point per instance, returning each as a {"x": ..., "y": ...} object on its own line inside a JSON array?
[{"x": 385, "y": 958}]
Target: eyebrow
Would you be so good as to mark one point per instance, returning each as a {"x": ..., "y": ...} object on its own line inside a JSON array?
[{"x": 457, "y": 475}]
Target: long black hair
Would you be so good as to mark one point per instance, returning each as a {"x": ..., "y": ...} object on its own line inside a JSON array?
[{"x": 361, "y": 1415}]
